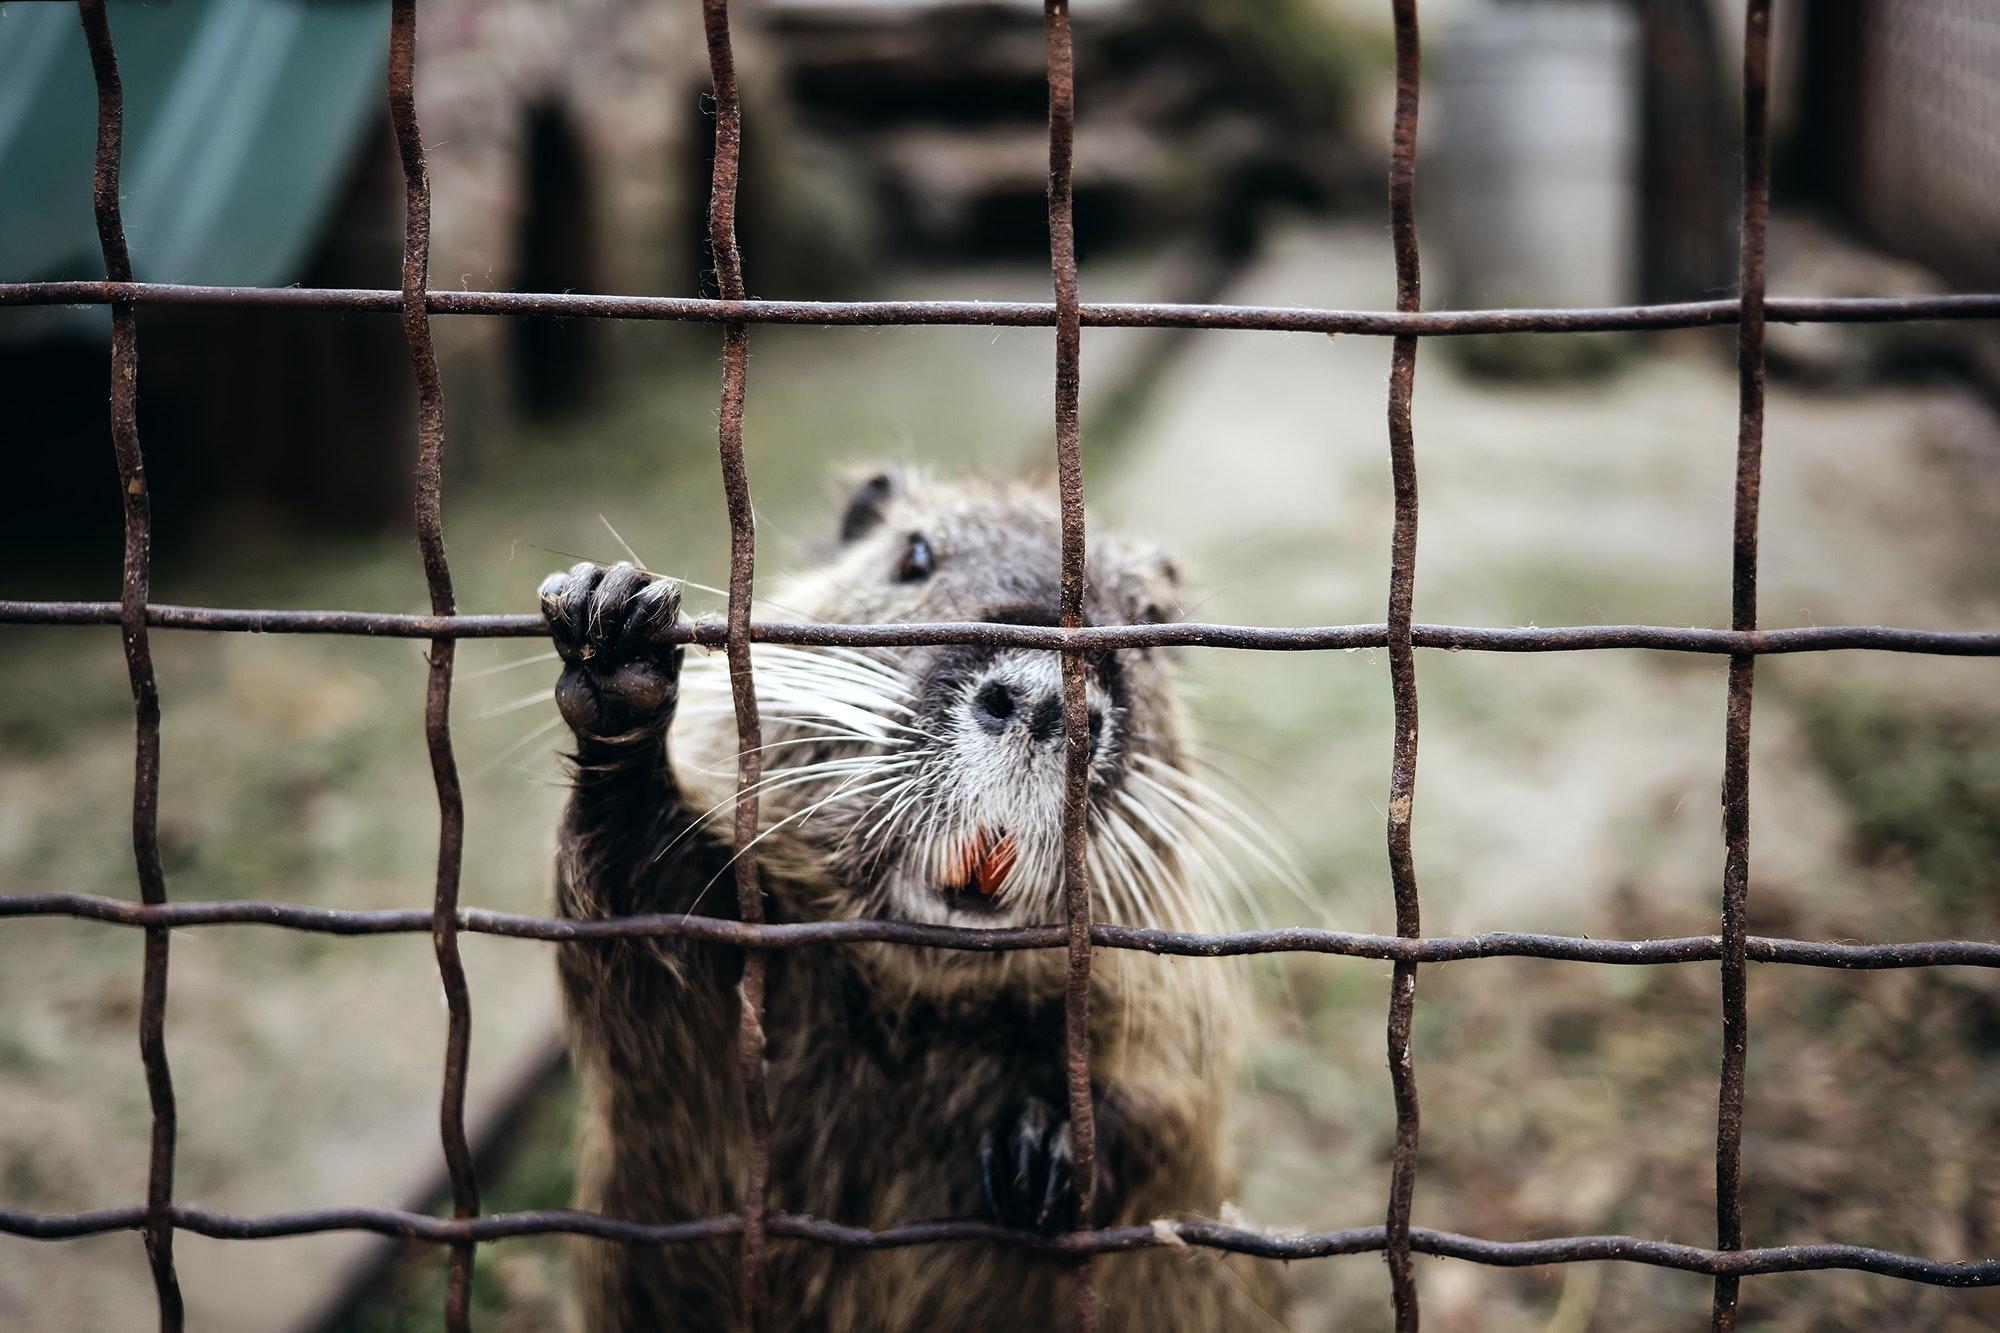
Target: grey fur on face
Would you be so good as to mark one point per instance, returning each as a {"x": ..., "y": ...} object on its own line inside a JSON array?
[{"x": 931, "y": 779}]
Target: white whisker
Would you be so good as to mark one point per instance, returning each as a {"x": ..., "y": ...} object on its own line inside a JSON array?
[
  {"x": 636, "y": 561},
  {"x": 1225, "y": 817},
  {"x": 796, "y": 815},
  {"x": 482, "y": 673},
  {"x": 518, "y": 746},
  {"x": 541, "y": 696},
  {"x": 779, "y": 778}
]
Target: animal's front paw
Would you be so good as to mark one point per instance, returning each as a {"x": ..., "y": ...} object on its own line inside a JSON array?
[
  {"x": 1027, "y": 1168},
  {"x": 610, "y": 623}
]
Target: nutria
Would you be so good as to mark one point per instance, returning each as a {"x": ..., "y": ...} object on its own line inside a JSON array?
[{"x": 920, "y": 784}]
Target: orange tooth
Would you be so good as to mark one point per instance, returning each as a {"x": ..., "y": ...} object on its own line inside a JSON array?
[
  {"x": 993, "y": 867},
  {"x": 965, "y": 859}
]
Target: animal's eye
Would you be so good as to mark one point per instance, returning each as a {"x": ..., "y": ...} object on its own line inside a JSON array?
[{"x": 916, "y": 563}]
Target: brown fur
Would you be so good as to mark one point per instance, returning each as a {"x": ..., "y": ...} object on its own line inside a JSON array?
[{"x": 886, "y": 1066}]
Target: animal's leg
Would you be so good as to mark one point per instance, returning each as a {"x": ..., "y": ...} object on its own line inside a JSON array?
[
  {"x": 629, "y": 839},
  {"x": 652, "y": 1021}
]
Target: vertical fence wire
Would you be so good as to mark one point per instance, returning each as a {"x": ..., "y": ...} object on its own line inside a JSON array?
[
  {"x": 1403, "y": 667},
  {"x": 138, "y": 518},
  {"x": 1075, "y": 667},
  {"x": 437, "y": 696},
  {"x": 1742, "y": 666},
  {"x": 749, "y": 730}
]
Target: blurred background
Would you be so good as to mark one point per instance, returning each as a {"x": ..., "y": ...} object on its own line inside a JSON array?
[{"x": 1572, "y": 152}]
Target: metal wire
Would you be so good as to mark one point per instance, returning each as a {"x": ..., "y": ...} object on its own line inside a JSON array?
[
  {"x": 1075, "y": 668},
  {"x": 1022, "y": 314},
  {"x": 1742, "y": 666},
  {"x": 749, "y": 732},
  {"x": 1403, "y": 668},
  {"x": 158, "y": 1228},
  {"x": 1313, "y": 638},
  {"x": 1103, "y": 935},
  {"x": 437, "y": 693},
  {"x": 1397, "y": 1239}
]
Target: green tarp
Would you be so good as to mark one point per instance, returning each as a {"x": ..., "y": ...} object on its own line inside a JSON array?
[{"x": 242, "y": 120}]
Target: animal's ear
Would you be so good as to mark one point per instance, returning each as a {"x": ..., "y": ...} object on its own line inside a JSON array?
[
  {"x": 868, "y": 503},
  {"x": 1161, "y": 601}
]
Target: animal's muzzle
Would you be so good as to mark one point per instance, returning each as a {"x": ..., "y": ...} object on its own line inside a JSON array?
[{"x": 1025, "y": 695}]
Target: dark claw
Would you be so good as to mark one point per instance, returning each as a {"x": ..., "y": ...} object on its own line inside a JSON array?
[
  {"x": 1026, "y": 1168},
  {"x": 653, "y": 611},
  {"x": 565, "y": 598},
  {"x": 610, "y": 627}
]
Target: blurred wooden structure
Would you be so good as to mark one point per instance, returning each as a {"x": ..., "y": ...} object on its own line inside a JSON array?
[
  {"x": 1900, "y": 127},
  {"x": 258, "y": 154}
]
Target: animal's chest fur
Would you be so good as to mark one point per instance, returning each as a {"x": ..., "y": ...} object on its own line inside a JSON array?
[{"x": 877, "y": 1109}]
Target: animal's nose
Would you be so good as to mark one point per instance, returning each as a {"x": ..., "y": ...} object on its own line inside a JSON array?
[
  {"x": 993, "y": 707},
  {"x": 998, "y": 705}
]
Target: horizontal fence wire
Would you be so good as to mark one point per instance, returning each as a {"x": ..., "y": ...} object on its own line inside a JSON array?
[
  {"x": 1022, "y": 314},
  {"x": 1284, "y": 1246},
  {"x": 1398, "y": 1239},
  {"x": 1104, "y": 935},
  {"x": 1090, "y": 638}
]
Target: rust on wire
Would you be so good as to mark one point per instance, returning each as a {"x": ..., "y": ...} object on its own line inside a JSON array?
[
  {"x": 749, "y": 732},
  {"x": 1104, "y": 935},
  {"x": 1742, "y": 666},
  {"x": 1191, "y": 634},
  {"x": 1397, "y": 1239},
  {"x": 1110, "y": 1240},
  {"x": 158, "y": 1227},
  {"x": 1025, "y": 314},
  {"x": 1403, "y": 667},
  {"x": 1075, "y": 668},
  {"x": 437, "y": 695}
]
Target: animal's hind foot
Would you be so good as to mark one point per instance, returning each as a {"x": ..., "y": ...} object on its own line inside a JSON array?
[
  {"x": 1027, "y": 1168},
  {"x": 610, "y": 624}
]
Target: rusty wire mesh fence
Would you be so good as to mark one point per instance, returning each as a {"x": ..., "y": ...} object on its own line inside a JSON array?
[{"x": 1728, "y": 1262}]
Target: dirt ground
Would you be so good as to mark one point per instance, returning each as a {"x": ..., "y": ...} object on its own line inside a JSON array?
[
  {"x": 1578, "y": 793},
  {"x": 1571, "y": 792}
]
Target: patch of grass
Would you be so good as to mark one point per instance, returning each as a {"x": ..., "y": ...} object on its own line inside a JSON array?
[
  {"x": 1924, "y": 789},
  {"x": 1564, "y": 1100},
  {"x": 68, "y": 680},
  {"x": 1553, "y": 1106}
]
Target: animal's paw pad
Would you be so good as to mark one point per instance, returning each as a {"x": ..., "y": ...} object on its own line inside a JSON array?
[{"x": 610, "y": 625}]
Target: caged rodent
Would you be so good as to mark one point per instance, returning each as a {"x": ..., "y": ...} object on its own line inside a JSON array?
[{"x": 904, "y": 1084}]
